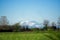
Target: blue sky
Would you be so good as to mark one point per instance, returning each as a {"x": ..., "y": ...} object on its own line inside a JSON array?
[{"x": 36, "y": 10}]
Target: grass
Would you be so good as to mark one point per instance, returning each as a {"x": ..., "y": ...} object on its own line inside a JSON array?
[{"x": 48, "y": 35}]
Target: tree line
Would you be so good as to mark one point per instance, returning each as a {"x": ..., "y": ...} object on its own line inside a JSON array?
[{"x": 5, "y": 27}]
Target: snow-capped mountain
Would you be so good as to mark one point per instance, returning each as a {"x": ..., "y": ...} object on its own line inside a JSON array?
[{"x": 31, "y": 24}]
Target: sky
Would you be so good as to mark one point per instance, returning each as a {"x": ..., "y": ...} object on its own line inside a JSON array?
[{"x": 30, "y": 10}]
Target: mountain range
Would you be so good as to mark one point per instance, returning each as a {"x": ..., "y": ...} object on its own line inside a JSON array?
[{"x": 31, "y": 24}]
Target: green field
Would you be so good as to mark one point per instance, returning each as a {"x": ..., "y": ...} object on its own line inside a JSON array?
[{"x": 53, "y": 35}]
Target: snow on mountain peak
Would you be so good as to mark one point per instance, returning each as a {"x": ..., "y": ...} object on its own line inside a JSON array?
[{"x": 31, "y": 24}]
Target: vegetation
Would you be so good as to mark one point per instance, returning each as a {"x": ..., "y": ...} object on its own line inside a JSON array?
[
  {"x": 46, "y": 35},
  {"x": 18, "y": 32}
]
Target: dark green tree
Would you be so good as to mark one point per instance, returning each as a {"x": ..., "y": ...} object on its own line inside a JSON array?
[{"x": 16, "y": 27}]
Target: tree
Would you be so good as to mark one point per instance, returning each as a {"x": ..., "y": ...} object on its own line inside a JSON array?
[
  {"x": 53, "y": 25},
  {"x": 46, "y": 22},
  {"x": 58, "y": 22},
  {"x": 4, "y": 23},
  {"x": 16, "y": 27},
  {"x": 3, "y": 20}
]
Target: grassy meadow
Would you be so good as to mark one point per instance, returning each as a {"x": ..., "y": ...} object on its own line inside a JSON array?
[{"x": 46, "y": 35}]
